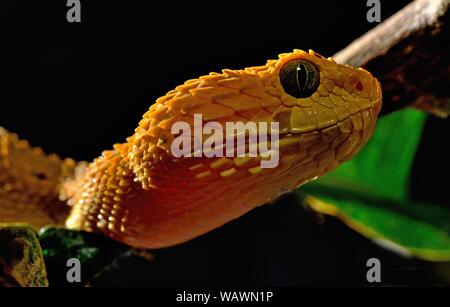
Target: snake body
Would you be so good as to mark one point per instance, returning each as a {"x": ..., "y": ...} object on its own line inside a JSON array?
[{"x": 140, "y": 194}]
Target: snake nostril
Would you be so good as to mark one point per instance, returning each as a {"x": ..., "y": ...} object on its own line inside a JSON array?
[
  {"x": 40, "y": 176},
  {"x": 356, "y": 83}
]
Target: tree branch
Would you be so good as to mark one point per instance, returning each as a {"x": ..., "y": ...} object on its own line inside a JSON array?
[{"x": 409, "y": 53}]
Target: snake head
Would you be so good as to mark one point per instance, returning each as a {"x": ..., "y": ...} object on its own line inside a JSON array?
[
  {"x": 319, "y": 105},
  {"x": 319, "y": 93},
  {"x": 328, "y": 108}
]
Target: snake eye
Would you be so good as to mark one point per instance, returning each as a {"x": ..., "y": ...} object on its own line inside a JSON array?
[{"x": 299, "y": 78}]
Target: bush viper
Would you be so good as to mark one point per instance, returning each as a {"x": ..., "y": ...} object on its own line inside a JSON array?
[{"x": 140, "y": 194}]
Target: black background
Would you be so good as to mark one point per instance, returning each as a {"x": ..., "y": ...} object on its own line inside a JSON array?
[{"x": 75, "y": 89}]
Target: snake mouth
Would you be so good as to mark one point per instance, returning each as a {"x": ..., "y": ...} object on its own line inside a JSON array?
[
  {"x": 357, "y": 120},
  {"x": 368, "y": 112}
]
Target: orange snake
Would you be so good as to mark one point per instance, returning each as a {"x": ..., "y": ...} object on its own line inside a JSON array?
[{"x": 138, "y": 193}]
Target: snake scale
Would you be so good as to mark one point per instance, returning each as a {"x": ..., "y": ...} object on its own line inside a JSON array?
[{"x": 140, "y": 194}]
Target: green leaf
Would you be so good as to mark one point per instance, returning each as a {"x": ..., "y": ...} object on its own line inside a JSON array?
[
  {"x": 383, "y": 165},
  {"x": 414, "y": 228},
  {"x": 370, "y": 192}
]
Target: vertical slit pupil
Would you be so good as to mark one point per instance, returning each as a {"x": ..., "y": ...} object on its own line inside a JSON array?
[{"x": 302, "y": 76}]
